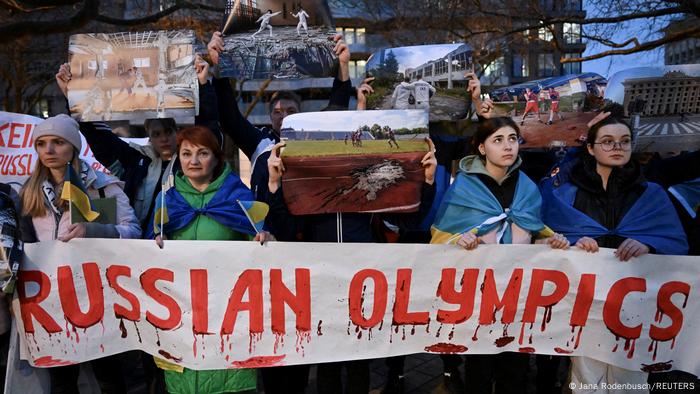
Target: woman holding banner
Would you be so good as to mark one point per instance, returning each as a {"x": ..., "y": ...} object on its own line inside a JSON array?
[
  {"x": 492, "y": 201},
  {"x": 604, "y": 201},
  {"x": 46, "y": 216},
  {"x": 206, "y": 202}
]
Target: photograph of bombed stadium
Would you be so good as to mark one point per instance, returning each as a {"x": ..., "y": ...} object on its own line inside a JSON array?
[
  {"x": 354, "y": 161},
  {"x": 277, "y": 40},
  {"x": 132, "y": 75},
  {"x": 552, "y": 112},
  {"x": 663, "y": 104},
  {"x": 427, "y": 77}
]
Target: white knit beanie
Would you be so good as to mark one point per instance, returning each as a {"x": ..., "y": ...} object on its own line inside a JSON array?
[{"x": 61, "y": 126}]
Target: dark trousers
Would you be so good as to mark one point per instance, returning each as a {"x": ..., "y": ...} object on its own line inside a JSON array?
[
  {"x": 547, "y": 373},
  {"x": 329, "y": 379},
  {"x": 282, "y": 380},
  {"x": 508, "y": 370},
  {"x": 107, "y": 370}
]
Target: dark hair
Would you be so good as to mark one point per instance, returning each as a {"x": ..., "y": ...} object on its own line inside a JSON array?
[
  {"x": 283, "y": 95},
  {"x": 487, "y": 127},
  {"x": 419, "y": 76},
  {"x": 407, "y": 79},
  {"x": 616, "y": 113},
  {"x": 168, "y": 124},
  {"x": 202, "y": 136}
]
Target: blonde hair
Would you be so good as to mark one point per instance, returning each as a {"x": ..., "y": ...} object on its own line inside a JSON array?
[{"x": 32, "y": 195}]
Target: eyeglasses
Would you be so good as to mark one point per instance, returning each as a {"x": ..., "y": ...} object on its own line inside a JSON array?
[{"x": 609, "y": 145}]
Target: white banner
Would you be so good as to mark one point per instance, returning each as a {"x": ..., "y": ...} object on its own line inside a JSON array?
[
  {"x": 213, "y": 305},
  {"x": 17, "y": 155}
]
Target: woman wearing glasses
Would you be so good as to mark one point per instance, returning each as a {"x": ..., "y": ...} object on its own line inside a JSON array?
[{"x": 605, "y": 202}]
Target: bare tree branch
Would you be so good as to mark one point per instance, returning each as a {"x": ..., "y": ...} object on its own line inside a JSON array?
[{"x": 638, "y": 48}]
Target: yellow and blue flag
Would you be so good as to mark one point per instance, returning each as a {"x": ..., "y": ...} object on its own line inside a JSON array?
[
  {"x": 256, "y": 212},
  {"x": 74, "y": 192},
  {"x": 160, "y": 217}
]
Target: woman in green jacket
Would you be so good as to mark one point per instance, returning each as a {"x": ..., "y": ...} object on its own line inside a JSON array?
[{"x": 203, "y": 205}]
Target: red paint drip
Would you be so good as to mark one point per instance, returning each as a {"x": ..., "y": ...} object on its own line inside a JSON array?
[
  {"x": 221, "y": 343},
  {"x": 658, "y": 316},
  {"x": 505, "y": 330},
  {"x": 349, "y": 322},
  {"x": 259, "y": 362},
  {"x": 158, "y": 338},
  {"x": 445, "y": 348},
  {"x": 526, "y": 350},
  {"x": 301, "y": 337},
  {"x": 658, "y": 367},
  {"x": 630, "y": 353},
  {"x": 381, "y": 324},
  {"x": 474, "y": 337},
  {"x": 318, "y": 328},
  {"x": 437, "y": 334},
  {"x": 169, "y": 356},
  {"x": 562, "y": 351},
  {"x": 673, "y": 342},
  {"x": 403, "y": 333},
  {"x": 138, "y": 333},
  {"x": 102, "y": 348},
  {"x": 452, "y": 333},
  {"x": 122, "y": 328},
  {"x": 48, "y": 361},
  {"x": 522, "y": 333},
  {"x": 413, "y": 330},
  {"x": 503, "y": 341},
  {"x": 194, "y": 344},
  {"x": 546, "y": 318},
  {"x": 279, "y": 339},
  {"x": 578, "y": 337},
  {"x": 253, "y": 338},
  {"x": 529, "y": 340},
  {"x": 614, "y": 349}
]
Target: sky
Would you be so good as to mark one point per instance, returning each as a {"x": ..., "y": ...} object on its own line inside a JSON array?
[
  {"x": 609, "y": 65},
  {"x": 351, "y": 120}
]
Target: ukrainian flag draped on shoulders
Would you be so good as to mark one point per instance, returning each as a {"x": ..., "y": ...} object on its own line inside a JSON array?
[
  {"x": 469, "y": 205},
  {"x": 652, "y": 220},
  {"x": 232, "y": 205}
]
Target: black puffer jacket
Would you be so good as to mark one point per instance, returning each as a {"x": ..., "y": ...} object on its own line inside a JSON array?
[{"x": 606, "y": 206}]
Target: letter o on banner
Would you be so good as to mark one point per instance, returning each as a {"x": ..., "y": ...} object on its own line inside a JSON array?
[{"x": 357, "y": 297}]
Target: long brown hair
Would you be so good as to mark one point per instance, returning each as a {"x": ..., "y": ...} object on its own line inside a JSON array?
[{"x": 32, "y": 196}]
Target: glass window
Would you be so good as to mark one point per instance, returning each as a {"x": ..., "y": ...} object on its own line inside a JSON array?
[
  {"x": 360, "y": 36},
  {"x": 494, "y": 69},
  {"x": 545, "y": 62},
  {"x": 520, "y": 66},
  {"x": 572, "y": 33},
  {"x": 544, "y": 33},
  {"x": 142, "y": 62},
  {"x": 571, "y": 68}
]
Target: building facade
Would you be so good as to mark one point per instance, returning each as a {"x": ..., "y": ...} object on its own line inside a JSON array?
[
  {"x": 686, "y": 51},
  {"x": 674, "y": 93}
]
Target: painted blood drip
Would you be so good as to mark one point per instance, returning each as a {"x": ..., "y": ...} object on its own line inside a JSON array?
[
  {"x": 221, "y": 343},
  {"x": 381, "y": 324},
  {"x": 630, "y": 353},
  {"x": 403, "y": 333},
  {"x": 279, "y": 340},
  {"x": 546, "y": 318},
  {"x": 169, "y": 356},
  {"x": 522, "y": 333},
  {"x": 48, "y": 361},
  {"x": 526, "y": 350},
  {"x": 445, "y": 348},
  {"x": 658, "y": 316},
  {"x": 102, "y": 348},
  {"x": 658, "y": 367},
  {"x": 474, "y": 337},
  {"x": 359, "y": 334},
  {"x": 413, "y": 330},
  {"x": 158, "y": 338},
  {"x": 369, "y": 334},
  {"x": 194, "y": 344},
  {"x": 437, "y": 334},
  {"x": 562, "y": 351},
  {"x": 452, "y": 333},
  {"x": 301, "y": 337},
  {"x": 138, "y": 333},
  {"x": 67, "y": 330},
  {"x": 122, "y": 328},
  {"x": 673, "y": 342},
  {"x": 427, "y": 328},
  {"x": 578, "y": 337},
  {"x": 349, "y": 323},
  {"x": 253, "y": 339},
  {"x": 318, "y": 328},
  {"x": 259, "y": 361},
  {"x": 503, "y": 341},
  {"x": 529, "y": 340}
]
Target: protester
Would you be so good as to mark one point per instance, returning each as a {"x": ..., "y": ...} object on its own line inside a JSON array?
[
  {"x": 604, "y": 201},
  {"x": 256, "y": 143},
  {"x": 141, "y": 166},
  {"x": 403, "y": 96},
  {"x": 203, "y": 205},
  {"x": 45, "y": 217},
  {"x": 339, "y": 227},
  {"x": 422, "y": 91},
  {"x": 491, "y": 201}
]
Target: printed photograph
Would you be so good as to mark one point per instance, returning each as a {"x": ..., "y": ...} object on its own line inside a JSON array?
[
  {"x": 354, "y": 161},
  {"x": 663, "y": 105},
  {"x": 276, "y": 40},
  {"x": 552, "y": 112},
  {"x": 133, "y": 75},
  {"x": 426, "y": 77}
]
